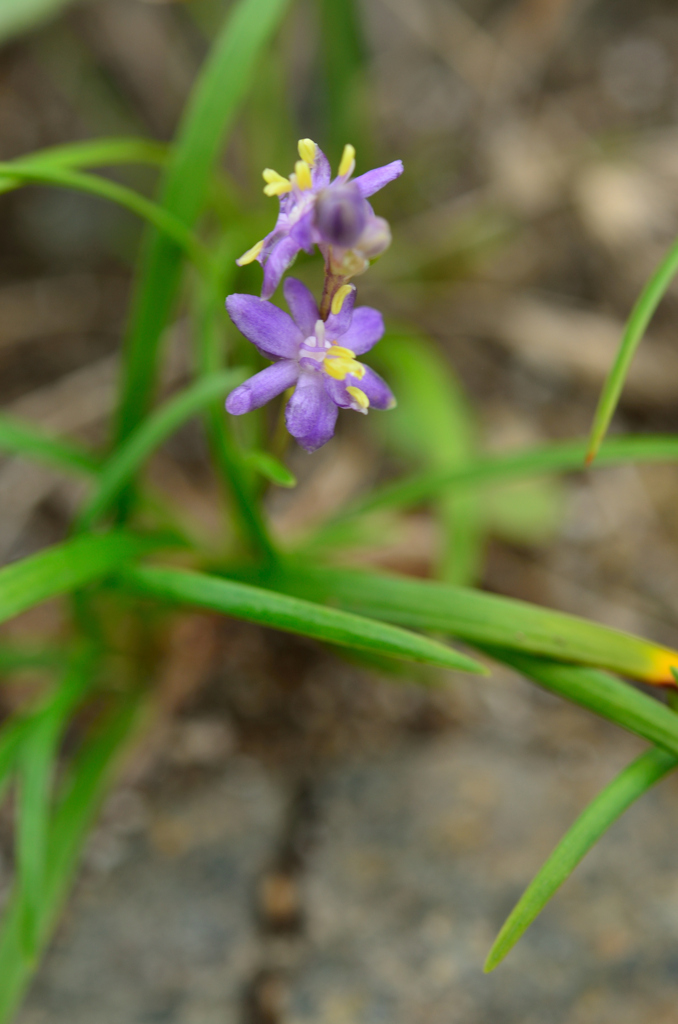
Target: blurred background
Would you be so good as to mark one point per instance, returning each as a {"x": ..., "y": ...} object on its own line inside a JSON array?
[{"x": 300, "y": 840}]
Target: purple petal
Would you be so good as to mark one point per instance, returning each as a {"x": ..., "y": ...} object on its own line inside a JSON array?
[
  {"x": 272, "y": 330},
  {"x": 367, "y": 327},
  {"x": 302, "y": 305},
  {"x": 302, "y": 232},
  {"x": 311, "y": 414},
  {"x": 376, "y": 389},
  {"x": 338, "y": 323},
  {"x": 262, "y": 387},
  {"x": 372, "y": 181},
  {"x": 280, "y": 258},
  {"x": 322, "y": 172}
]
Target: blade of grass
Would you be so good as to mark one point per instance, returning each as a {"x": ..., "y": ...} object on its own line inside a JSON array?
[
  {"x": 291, "y": 615},
  {"x": 208, "y": 317},
  {"x": 474, "y": 616},
  {"x": 270, "y": 468},
  {"x": 16, "y": 657},
  {"x": 343, "y": 57},
  {"x": 37, "y": 764},
  {"x": 600, "y": 693},
  {"x": 24, "y": 439},
  {"x": 87, "y": 782},
  {"x": 220, "y": 87},
  {"x": 433, "y": 424},
  {"x": 65, "y": 567},
  {"x": 162, "y": 219},
  {"x": 602, "y": 812},
  {"x": 556, "y": 458},
  {"x": 155, "y": 429},
  {"x": 92, "y": 153},
  {"x": 636, "y": 325}
]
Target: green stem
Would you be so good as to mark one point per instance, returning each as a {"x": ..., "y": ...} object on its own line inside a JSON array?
[{"x": 227, "y": 457}]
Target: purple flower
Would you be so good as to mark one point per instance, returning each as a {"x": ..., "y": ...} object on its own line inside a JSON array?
[
  {"x": 314, "y": 210},
  {"x": 307, "y": 353}
]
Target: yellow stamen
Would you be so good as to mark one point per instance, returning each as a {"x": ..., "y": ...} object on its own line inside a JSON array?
[
  {"x": 303, "y": 173},
  {"x": 339, "y": 352},
  {"x": 307, "y": 149},
  {"x": 251, "y": 254},
  {"x": 339, "y": 296},
  {"x": 360, "y": 397},
  {"x": 347, "y": 160},
  {"x": 275, "y": 183},
  {"x": 340, "y": 361}
]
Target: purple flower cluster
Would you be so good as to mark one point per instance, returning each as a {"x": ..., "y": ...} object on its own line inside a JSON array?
[{"x": 315, "y": 349}]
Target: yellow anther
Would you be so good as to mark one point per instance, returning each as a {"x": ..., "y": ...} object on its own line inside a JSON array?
[
  {"x": 307, "y": 149},
  {"x": 339, "y": 296},
  {"x": 251, "y": 254},
  {"x": 340, "y": 361},
  {"x": 360, "y": 397},
  {"x": 347, "y": 160},
  {"x": 275, "y": 183},
  {"x": 339, "y": 352},
  {"x": 303, "y": 173}
]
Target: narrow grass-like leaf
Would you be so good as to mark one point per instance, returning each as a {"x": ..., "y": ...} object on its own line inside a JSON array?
[
  {"x": 155, "y": 429},
  {"x": 24, "y": 439},
  {"x": 208, "y": 317},
  {"x": 636, "y": 325},
  {"x": 600, "y": 693},
  {"x": 342, "y": 55},
  {"x": 221, "y": 85},
  {"x": 64, "y": 567},
  {"x": 87, "y": 781},
  {"x": 37, "y": 764},
  {"x": 270, "y": 468},
  {"x": 474, "y": 616},
  {"x": 91, "y": 153},
  {"x": 292, "y": 615},
  {"x": 161, "y": 219},
  {"x": 433, "y": 425},
  {"x": 17, "y": 657},
  {"x": 601, "y": 813},
  {"x": 557, "y": 458}
]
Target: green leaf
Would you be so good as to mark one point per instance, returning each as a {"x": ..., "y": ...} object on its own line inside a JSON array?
[
  {"x": 37, "y": 765},
  {"x": 636, "y": 325},
  {"x": 270, "y": 468},
  {"x": 24, "y": 439},
  {"x": 17, "y": 16},
  {"x": 474, "y": 616},
  {"x": 525, "y": 511},
  {"x": 92, "y": 153},
  {"x": 556, "y": 458},
  {"x": 161, "y": 219},
  {"x": 291, "y": 615},
  {"x": 433, "y": 425},
  {"x": 220, "y": 88},
  {"x": 600, "y": 693},
  {"x": 208, "y": 323},
  {"x": 15, "y": 657},
  {"x": 602, "y": 812},
  {"x": 65, "y": 567},
  {"x": 342, "y": 59},
  {"x": 155, "y": 429},
  {"x": 86, "y": 783}
]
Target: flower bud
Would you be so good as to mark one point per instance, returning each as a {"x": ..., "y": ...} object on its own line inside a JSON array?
[
  {"x": 340, "y": 215},
  {"x": 375, "y": 239}
]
